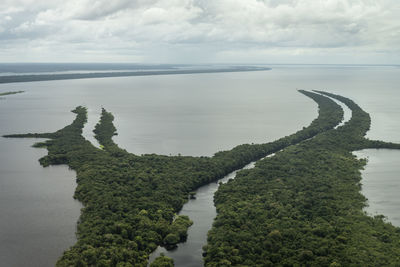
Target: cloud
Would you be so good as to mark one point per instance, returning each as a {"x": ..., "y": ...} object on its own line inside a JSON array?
[{"x": 198, "y": 30}]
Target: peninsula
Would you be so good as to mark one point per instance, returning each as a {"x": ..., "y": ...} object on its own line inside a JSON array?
[{"x": 301, "y": 206}]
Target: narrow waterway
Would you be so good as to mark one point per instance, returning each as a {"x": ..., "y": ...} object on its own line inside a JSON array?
[
  {"x": 346, "y": 113},
  {"x": 93, "y": 117},
  {"x": 202, "y": 212},
  {"x": 187, "y": 114}
]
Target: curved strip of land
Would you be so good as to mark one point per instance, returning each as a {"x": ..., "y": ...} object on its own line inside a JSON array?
[
  {"x": 130, "y": 201},
  {"x": 303, "y": 207}
]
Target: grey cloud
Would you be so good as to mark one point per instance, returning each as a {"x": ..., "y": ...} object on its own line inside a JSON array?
[
  {"x": 94, "y": 10},
  {"x": 200, "y": 29}
]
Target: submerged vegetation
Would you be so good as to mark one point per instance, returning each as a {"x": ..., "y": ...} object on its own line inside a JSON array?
[
  {"x": 311, "y": 189},
  {"x": 11, "y": 93}
]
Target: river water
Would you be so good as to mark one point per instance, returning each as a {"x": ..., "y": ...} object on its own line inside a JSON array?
[
  {"x": 202, "y": 212},
  {"x": 381, "y": 182},
  {"x": 195, "y": 114},
  {"x": 38, "y": 214}
]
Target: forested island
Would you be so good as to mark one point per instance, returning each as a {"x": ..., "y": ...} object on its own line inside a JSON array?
[
  {"x": 69, "y": 76},
  {"x": 303, "y": 207},
  {"x": 299, "y": 207}
]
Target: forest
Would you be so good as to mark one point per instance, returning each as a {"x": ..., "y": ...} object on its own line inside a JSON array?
[
  {"x": 299, "y": 207},
  {"x": 303, "y": 207}
]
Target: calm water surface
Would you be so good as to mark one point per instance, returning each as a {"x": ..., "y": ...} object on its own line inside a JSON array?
[
  {"x": 202, "y": 212},
  {"x": 381, "y": 182},
  {"x": 38, "y": 214},
  {"x": 196, "y": 114}
]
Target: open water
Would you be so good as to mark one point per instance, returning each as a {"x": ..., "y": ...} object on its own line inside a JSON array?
[{"x": 191, "y": 114}]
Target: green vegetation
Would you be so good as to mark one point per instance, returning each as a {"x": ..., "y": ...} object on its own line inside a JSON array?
[
  {"x": 177, "y": 231},
  {"x": 11, "y": 93},
  {"x": 130, "y": 201},
  {"x": 162, "y": 261},
  {"x": 303, "y": 207},
  {"x": 104, "y": 131}
]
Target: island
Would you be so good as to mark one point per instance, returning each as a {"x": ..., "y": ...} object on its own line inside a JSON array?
[{"x": 302, "y": 206}]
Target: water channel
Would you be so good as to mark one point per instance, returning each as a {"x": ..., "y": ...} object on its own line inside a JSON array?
[
  {"x": 202, "y": 212},
  {"x": 194, "y": 115}
]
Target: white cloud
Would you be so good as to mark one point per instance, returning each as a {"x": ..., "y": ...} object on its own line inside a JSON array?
[{"x": 199, "y": 30}]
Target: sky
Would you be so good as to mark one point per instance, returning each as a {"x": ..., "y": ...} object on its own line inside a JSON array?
[{"x": 201, "y": 31}]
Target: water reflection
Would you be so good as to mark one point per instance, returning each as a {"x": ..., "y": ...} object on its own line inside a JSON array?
[
  {"x": 38, "y": 212},
  {"x": 202, "y": 212},
  {"x": 381, "y": 182},
  {"x": 188, "y": 114}
]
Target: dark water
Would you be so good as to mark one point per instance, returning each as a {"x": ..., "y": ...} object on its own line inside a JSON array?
[
  {"x": 202, "y": 212},
  {"x": 188, "y": 114}
]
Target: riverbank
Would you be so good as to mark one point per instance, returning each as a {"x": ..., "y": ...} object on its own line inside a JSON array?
[
  {"x": 201, "y": 211},
  {"x": 70, "y": 76},
  {"x": 303, "y": 206},
  {"x": 380, "y": 183},
  {"x": 130, "y": 200}
]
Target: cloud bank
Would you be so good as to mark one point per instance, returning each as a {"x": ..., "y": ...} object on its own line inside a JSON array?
[{"x": 201, "y": 31}]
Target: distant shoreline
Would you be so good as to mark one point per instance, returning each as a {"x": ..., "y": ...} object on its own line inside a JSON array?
[
  {"x": 70, "y": 76},
  {"x": 11, "y": 93}
]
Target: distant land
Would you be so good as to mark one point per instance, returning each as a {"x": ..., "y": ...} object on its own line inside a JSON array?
[
  {"x": 68, "y": 76},
  {"x": 11, "y": 93}
]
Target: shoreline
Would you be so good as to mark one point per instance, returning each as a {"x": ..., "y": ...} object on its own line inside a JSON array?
[{"x": 73, "y": 76}]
